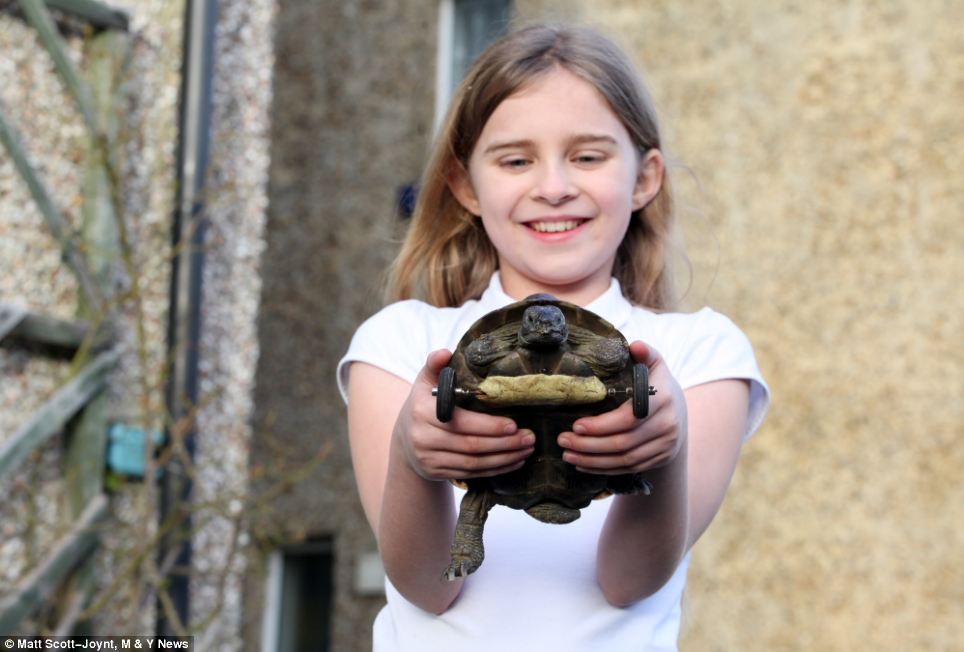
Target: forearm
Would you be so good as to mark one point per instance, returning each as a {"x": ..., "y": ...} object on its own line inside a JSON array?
[
  {"x": 402, "y": 458},
  {"x": 645, "y": 537},
  {"x": 417, "y": 519}
]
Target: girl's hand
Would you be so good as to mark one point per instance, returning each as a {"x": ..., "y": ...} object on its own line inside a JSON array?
[
  {"x": 471, "y": 445},
  {"x": 617, "y": 442}
]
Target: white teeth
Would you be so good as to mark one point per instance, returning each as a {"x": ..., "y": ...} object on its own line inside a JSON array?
[{"x": 554, "y": 227}]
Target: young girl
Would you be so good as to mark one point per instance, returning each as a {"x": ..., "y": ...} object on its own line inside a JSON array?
[{"x": 547, "y": 177}]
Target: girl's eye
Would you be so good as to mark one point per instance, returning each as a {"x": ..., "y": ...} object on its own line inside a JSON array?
[
  {"x": 514, "y": 163},
  {"x": 589, "y": 159}
]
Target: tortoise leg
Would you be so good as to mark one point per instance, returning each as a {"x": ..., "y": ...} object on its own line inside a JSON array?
[{"x": 467, "y": 549}]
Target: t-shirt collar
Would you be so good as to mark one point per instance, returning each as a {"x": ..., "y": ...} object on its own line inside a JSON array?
[{"x": 611, "y": 305}]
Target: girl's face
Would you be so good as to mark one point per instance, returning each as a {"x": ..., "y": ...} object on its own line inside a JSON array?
[{"x": 555, "y": 178}]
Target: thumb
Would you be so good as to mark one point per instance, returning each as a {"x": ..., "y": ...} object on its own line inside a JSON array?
[
  {"x": 434, "y": 363},
  {"x": 646, "y": 354}
]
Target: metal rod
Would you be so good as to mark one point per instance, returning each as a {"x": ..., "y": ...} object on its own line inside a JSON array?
[{"x": 184, "y": 326}]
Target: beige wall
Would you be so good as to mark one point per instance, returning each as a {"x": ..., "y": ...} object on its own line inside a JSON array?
[
  {"x": 822, "y": 145},
  {"x": 823, "y": 214}
]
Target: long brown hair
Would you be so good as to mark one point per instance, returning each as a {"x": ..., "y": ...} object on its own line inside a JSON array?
[{"x": 446, "y": 257}]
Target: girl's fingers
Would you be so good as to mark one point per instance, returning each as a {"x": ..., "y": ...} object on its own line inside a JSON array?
[
  {"x": 434, "y": 363},
  {"x": 460, "y": 468},
  {"x": 467, "y": 422},
  {"x": 619, "y": 420},
  {"x": 655, "y": 442},
  {"x": 441, "y": 464},
  {"x": 462, "y": 421},
  {"x": 611, "y": 434},
  {"x": 644, "y": 353},
  {"x": 470, "y": 444},
  {"x": 465, "y": 444},
  {"x": 622, "y": 418},
  {"x": 618, "y": 442},
  {"x": 461, "y": 475},
  {"x": 647, "y": 456}
]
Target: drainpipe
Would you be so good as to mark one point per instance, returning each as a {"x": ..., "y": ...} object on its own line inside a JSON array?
[{"x": 184, "y": 321}]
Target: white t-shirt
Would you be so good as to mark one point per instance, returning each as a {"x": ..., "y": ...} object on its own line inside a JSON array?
[{"x": 536, "y": 589}]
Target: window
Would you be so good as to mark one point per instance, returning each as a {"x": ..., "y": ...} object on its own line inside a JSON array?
[
  {"x": 466, "y": 27},
  {"x": 298, "y": 600}
]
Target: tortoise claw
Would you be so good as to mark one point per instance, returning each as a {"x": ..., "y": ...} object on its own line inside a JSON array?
[
  {"x": 461, "y": 568},
  {"x": 467, "y": 549}
]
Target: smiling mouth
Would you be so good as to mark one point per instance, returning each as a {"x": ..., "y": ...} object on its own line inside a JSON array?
[{"x": 555, "y": 226}]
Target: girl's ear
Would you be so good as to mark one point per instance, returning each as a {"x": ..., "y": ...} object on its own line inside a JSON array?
[
  {"x": 649, "y": 178},
  {"x": 461, "y": 187}
]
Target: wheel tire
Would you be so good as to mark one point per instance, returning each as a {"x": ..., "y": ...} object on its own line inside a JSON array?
[
  {"x": 445, "y": 398},
  {"x": 640, "y": 390}
]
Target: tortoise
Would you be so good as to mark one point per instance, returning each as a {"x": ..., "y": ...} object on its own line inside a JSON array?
[{"x": 543, "y": 363}]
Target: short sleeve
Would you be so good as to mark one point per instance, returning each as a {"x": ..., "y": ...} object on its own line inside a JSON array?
[
  {"x": 717, "y": 350},
  {"x": 391, "y": 340}
]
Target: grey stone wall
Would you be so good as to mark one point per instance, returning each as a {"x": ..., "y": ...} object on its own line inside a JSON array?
[{"x": 351, "y": 118}]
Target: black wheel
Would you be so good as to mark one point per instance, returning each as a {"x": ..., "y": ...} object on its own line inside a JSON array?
[
  {"x": 445, "y": 398},
  {"x": 640, "y": 390}
]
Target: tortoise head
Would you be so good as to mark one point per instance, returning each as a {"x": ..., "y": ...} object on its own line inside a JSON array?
[
  {"x": 541, "y": 297},
  {"x": 543, "y": 326}
]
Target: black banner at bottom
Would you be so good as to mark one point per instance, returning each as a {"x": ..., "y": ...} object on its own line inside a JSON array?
[{"x": 137, "y": 643}]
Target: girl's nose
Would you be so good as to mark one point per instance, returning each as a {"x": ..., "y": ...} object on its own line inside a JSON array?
[{"x": 554, "y": 185}]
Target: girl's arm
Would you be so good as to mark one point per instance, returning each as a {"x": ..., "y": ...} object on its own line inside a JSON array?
[
  {"x": 688, "y": 447},
  {"x": 403, "y": 458}
]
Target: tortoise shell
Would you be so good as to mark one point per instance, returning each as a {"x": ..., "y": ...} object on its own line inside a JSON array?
[{"x": 543, "y": 363}]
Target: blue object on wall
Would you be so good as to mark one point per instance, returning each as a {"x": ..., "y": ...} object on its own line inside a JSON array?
[
  {"x": 406, "y": 198},
  {"x": 125, "y": 449}
]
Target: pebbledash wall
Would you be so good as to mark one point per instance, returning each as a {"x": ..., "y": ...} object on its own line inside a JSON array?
[
  {"x": 817, "y": 156},
  {"x": 33, "y": 275}
]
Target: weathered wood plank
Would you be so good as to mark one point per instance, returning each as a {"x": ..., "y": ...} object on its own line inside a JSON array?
[
  {"x": 39, "y": 585},
  {"x": 52, "y": 215},
  {"x": 86, "y": 440},
  {"x": 53, "y": 414},
  {"x": 36, "y": 13},
  {"x": 95, "y": 13},
  {"x": 73, "y": 604},
  {"x": 10, "y": 318},
  {"x": 17, "y": 321},
  {"x": 85, "y": 456},
  {"x": 105, "y": 54}
]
